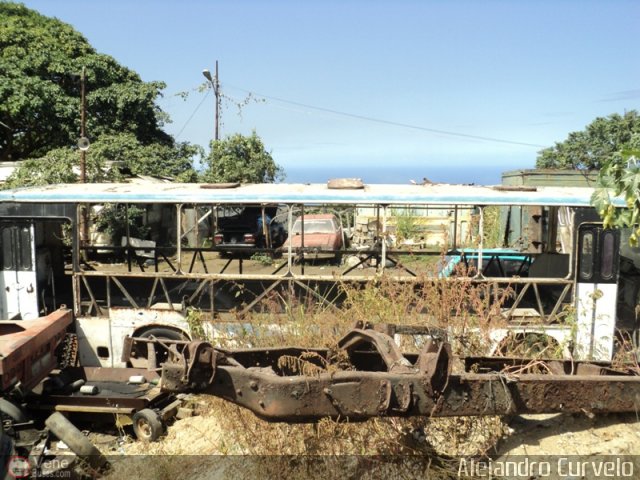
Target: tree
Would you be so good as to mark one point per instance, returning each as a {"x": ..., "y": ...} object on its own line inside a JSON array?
[
  {"x": 158, "y": 159},
  {"x": 106, "y": 159},
  {"x": 598, "y": 144},
  {"x": 57, "y": 166},
  {"x": 620, "y": 177},
  {"x": 243, "y": 159},
  {"x": 40, "y": 62}
]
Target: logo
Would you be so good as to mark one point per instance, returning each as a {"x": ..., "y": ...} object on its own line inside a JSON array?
[{"x": 18, "y": 467}]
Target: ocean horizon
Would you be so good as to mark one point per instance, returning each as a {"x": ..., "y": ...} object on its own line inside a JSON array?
[{"x": 487, "y": 175}]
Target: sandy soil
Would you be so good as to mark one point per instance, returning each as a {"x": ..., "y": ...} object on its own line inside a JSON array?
[
  {"x": 202, "y": 446},
  {"x": 612, "y": 434}
]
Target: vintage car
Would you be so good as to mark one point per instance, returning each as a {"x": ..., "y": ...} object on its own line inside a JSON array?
[
  {"x": 241, "y": 230},
  {"x": 322, "y": 237}
]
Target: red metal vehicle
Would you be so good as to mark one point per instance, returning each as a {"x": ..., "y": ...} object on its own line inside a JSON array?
[{"x": 316, "y": 236}]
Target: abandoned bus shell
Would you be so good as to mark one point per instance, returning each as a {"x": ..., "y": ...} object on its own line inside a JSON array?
[{"x": 162, "y": 258}]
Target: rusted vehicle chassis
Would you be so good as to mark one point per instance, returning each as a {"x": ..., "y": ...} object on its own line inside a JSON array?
[{"x": 367, "y": 376}]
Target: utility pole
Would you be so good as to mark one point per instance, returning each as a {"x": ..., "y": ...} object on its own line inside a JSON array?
[
  {"x": 215, "y": 85},
  {"x": 83, "y": 146},
  {"x": 217, "y": 92},
  {"x": 83, "y": 126}
]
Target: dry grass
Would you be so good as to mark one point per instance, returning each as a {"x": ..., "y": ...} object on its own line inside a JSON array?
[
  {"x": 626, "y": 356},
  {"x": 231, "y": 438},
  {"x": 409, "y": 448}
]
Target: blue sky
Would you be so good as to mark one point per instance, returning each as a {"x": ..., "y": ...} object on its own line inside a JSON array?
[{"x": 523, "y": 73}]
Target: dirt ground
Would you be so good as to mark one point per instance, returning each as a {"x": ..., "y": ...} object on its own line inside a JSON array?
[
  {"x": 203, "y": 446},
  {"x": 612, "y": 434}
]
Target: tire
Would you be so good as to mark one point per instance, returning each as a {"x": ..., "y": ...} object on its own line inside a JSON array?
[
  {"x": 147, "y": 425},
  {"x": 160, "y": 333},
  {"x": 62, "y": 428},
  {"x": 13, "y": 411}
]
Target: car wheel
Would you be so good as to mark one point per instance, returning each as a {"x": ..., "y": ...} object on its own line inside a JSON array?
[{"x": 147, "y": 425}]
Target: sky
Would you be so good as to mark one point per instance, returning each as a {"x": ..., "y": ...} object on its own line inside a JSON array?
[{"x": 455, "y": 91}]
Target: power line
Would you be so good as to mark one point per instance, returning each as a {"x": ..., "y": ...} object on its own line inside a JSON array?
[
  {"x": 389, "y": 122},
  {"x": 192, "y": 114}
]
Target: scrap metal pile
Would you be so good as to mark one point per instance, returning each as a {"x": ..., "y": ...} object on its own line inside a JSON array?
[
  {"x": 368, "y": 376},
  {"x": 40, "y": 384}
]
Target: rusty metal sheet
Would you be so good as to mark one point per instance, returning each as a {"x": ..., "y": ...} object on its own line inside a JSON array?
[
  {"x": 113, "y": 391},
  {"x": 27, "y": 348}
]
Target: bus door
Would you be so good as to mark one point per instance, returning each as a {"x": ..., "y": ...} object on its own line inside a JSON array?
[
  {"x": 18, "y": 285},
  {"x": 598, "y": 262}
]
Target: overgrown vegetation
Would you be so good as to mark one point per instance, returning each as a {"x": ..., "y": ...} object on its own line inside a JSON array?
[
  {"x": 492, "y": 227},
  {"x": 40, "y": 103},
  {"x": 242, "y": 159},
  {"x": 598, "y": 144},
  {"x": 115, "y": 219},
  {"x": 262, "y": 258},
  {"x": 401, "y": 448},
  {"x": 407, "y": 226},
  {"x": 620, "y": 178}
]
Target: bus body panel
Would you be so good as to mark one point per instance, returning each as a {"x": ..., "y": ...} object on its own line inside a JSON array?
[
  {"x": 596, "y": 321},
  {"x": 93, "y": 341},
  {"x": 596, "y": 299},
  {"x": 100, "y": 339},
  {"x": 18, "y": 281}
]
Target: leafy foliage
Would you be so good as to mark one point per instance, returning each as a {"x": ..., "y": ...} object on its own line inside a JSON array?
[
  {"x": 240, "y": 158},
  {"x": 620, "y": 177},
  {"x": 107, "y": 158},
  {"x": 158, "y": 159},
  {"x": 57, "y": 166},
  {"x": 40, "y": 63},
  {"x": 406, "y": 223},
  {"x": 599, "y": 143},
  {"x": 113, "y": 219}
]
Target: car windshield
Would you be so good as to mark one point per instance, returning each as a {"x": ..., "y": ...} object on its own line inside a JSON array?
[{"x": 314, "y": 225}]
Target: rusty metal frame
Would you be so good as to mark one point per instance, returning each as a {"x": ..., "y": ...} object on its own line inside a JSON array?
[
  {"x": 546, "y": 314},
  {"x": 110, "y": 279},
  {"x": 123, "y": 399},
  {"x": 381, "y": 381},
  {"x": 361, "y": 395}
]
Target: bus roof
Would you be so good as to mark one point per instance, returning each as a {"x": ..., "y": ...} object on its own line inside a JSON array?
[{"x": 318, "y": 194}]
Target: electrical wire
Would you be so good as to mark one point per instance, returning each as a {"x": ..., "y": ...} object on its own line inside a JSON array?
[
  {"x": 388, "y": 122},
  {"x": 192, "y": 115}
]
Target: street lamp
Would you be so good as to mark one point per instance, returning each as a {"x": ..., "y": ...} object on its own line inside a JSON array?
[{"x": 216, "y": 90}]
